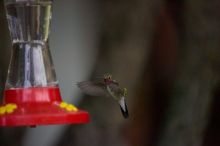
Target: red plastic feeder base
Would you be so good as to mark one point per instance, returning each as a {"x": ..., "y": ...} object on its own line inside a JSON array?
[{"x": 38, "y": 106}]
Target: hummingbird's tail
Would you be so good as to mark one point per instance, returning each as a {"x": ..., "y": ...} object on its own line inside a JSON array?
[{"x": 123, "y": 107}]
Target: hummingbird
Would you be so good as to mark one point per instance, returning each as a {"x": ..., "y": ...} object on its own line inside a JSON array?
[{"x": 106, "y": 87}]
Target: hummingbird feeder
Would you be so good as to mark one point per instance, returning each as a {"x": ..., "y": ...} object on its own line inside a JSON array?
[{"x": 32, "y": 95}]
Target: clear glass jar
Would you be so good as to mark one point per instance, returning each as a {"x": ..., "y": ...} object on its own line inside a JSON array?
[{"x": 29, "y": 25}]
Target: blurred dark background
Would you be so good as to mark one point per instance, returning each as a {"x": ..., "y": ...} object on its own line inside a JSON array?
[{"x": 166, "y": 52}]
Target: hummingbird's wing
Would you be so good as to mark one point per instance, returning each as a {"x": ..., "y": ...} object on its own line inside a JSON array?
[{"x": 93, "y": 88}]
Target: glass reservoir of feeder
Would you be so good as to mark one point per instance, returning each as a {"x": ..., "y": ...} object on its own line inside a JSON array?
[
  {"x": 32, "y": 95},
  {"x": 31, "y": 64}
]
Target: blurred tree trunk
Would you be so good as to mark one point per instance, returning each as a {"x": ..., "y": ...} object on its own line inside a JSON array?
[
  {"x": 155, "y": 86},
  {"x": 187, "y": 117},
  {"x": 212, "y": 133}
]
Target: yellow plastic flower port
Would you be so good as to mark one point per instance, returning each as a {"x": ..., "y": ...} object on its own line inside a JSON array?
[
  {"x": 63, "y": 104},
  {"x": 8, "y": 108},
  {"x": 71, "y": 107},
  {"x": 68, "y": 107},
  {"x": 2, "y": 110}
]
